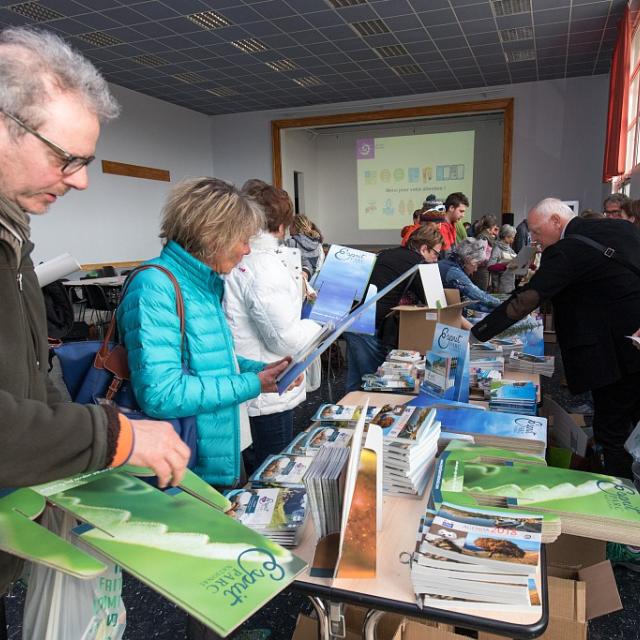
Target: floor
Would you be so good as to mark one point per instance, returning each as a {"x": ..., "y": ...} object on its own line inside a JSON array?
[{"x": 151, "y": 616}]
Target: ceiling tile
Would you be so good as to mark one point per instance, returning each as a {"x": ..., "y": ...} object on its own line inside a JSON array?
[
  {"x": 389, "y": 8},
  {"x": 551, "y": 15},
  {"x": 474, "y": 12},
  {"x": 429, "y": 5},
  {"x": 292, "y": 23},
  {"x": 274, "y": 9},
  {"x": 152, "y": 10},
  {"x": 438, "y": 17},
  {"x": 479, "y": 26},
  {"x": 445, "y": 31}
]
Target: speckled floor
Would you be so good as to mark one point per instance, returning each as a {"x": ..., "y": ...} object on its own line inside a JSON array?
[{"x": 149, "y": 615}]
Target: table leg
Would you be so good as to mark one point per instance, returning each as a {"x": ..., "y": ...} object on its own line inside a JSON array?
[
  {"x": 323, "y": 617},
  {"x": 371, "y": 623}
]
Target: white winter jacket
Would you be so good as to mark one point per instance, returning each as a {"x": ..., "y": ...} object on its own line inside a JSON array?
[{"x": 262, "y": 302}]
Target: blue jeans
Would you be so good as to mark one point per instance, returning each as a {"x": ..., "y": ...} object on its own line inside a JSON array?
[
  {"x": 365, "y": 354},
  {"x": 271, "y": 434}
]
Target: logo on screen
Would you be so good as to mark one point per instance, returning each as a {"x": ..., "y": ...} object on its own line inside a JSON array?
[{"x": 365, "y": 149}]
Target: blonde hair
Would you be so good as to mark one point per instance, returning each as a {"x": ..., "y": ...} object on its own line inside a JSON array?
[
  {"x": 303, "y": 226},
  {"x": 206, "y": 216}
]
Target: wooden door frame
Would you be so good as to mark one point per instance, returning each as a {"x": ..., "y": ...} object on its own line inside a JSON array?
[{"x": 503, "y": 105}]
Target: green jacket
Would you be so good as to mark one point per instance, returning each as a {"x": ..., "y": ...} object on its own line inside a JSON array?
[{"x": 41, "y": 438}]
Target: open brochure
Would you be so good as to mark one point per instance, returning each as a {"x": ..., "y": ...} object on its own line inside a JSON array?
[{"x": 299, "y": 364}]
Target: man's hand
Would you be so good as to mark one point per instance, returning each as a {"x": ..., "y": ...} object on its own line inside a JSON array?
[
  {"x": 635, "y": 342},
  {"x": 157, "y": 445},
  {"x": 269, "y": 374}
]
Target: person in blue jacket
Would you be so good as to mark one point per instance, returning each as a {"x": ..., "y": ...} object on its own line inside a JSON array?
[
  {"x": 462, "y": 263},
  {"x": 206, "y": 227}
]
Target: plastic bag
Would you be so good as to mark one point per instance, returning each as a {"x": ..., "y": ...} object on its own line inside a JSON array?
[
  {"x": 313, "y": 375},
  {"x": 61, "y": 607}
]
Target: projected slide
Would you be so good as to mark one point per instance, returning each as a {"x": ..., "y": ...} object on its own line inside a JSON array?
[{"x": 396, "y": 174}]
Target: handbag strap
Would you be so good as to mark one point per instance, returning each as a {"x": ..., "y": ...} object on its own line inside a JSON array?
[
  {"x": 104, "y": 349},
  {"x": 607, "y": 252}
]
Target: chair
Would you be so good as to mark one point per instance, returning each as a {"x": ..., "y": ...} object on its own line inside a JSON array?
[{"x": 101, "y": 305}]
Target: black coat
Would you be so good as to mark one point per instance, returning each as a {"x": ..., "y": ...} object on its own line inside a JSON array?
[{"x": 596, "y": 302}]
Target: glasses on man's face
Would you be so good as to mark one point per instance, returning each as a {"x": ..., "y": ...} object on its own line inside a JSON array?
[
  {"x": 435, "y": 253},
  {"x": 71, "y": 164}
]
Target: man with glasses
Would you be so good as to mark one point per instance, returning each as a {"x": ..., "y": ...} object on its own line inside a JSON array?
[
  {"x": 590, "y": 271},
  {"x": 612, "y": 205},
  {"x": 52, "y": 101}
]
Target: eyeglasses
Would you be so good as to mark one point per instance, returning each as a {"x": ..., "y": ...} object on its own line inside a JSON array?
[
  {"x": 437, "y": 253},
  {"x": 72, "y": 163}
]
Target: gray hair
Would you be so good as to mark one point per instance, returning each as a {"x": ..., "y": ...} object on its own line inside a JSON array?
[
  {"x": 471, "y": 250},
  {"x": 615, "y": 198},
  {"x": 507, "y": 231},
  {"x": 549, "y": 206},
  {"x": 34, "y": 62}
]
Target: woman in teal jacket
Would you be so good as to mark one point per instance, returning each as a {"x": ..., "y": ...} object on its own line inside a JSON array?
[{"x": 206, "y": 226}]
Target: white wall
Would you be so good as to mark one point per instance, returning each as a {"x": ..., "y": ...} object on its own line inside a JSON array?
[
  {"x": 117, "y": 218},
  {"x": 558, "y": 144},
  {"x": 300, "y": 153}
]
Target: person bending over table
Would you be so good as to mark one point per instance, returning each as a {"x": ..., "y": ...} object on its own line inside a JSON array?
[
  {"x": 596, "y": 306},
  {"x": 365, "y": 353},
  {"x": 206, "y": 226}
]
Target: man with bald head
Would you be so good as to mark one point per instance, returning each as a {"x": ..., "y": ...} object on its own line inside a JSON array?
[
  {"x": 52, "y": 102},
  {"x": 590, "y": 271}
]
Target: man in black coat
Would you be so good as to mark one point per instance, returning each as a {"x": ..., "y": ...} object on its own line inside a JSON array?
[{"x": 596, "y": 304}]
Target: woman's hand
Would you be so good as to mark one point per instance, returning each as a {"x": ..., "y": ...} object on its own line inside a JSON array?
[{"x": 269, "y": 374}]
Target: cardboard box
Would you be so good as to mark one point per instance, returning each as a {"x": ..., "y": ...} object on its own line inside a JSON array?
[{"x": 418, "y": 324}]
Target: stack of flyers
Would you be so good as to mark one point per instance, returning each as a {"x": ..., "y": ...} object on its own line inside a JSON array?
[
  {"x": 520, "y": 361},
  {"x": 281, "y": 470},
  {"x": 391, "y": 382},
  {"x": 404, "y": 355},
  {"x": 410, "y": 446},
  {"x": 324, "y": 482},
  {"x": 278, "y": 514},
  {"x": 481, "y": 377},
  {"x": 480, "y": 350},
  {"x": 472, "y": 559},
  {"x": 513, "y": 396},
  {"x": 308, "y": 442},
  {"x": 343, "y": 415},
  {"x": 508, "y": 344},
  {"x": 393, "y": 366}
]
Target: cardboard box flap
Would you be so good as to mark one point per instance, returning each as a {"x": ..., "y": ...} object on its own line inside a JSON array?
[
  {"x": 453, "y": 302},
  {"x": 602, "y": 591},
  {"x": 573, "y": 553},
  {"x": 566, "y": 599}
]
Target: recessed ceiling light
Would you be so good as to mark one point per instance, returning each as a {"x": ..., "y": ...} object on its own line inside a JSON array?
[
  {"x": 369, "y": 27},
  {"x": 406, "y": 69},
  {"x": 510, "y": 7},
  {"x": 99, "y": 39},
  {"x": 35, "y": 11},
  {"x": 222, "y": 92},
  {"x": 282, "y": 65},
  {"x": 250, "y": 45},
  {"x": 391, "y": 51},
  {"x": 522, "y": 55},
  {"x": 188, "y": 77},
  {"x": 341, "y": 4},
  {"x": 308, "y": 81},
  {"x": 149, "y": 60},
  {"x": 516, "y": 34},
  {"x": 209, "y": 20}
]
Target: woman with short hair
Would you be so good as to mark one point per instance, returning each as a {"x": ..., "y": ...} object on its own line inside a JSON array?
[
  {"x": 206, "y": 226},
  {"x": 263, "y": 302},
  {"x": 501, "y": 264},
  {"x": 456, "y": 270}
]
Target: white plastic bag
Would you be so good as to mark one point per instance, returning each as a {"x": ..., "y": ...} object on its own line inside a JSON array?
[
  {"x": 61, "y": 607},
  {"x": 313, "y": 377}
]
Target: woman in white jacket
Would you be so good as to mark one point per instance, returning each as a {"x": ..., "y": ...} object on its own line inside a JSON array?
[{"x": 263, "y": 301}]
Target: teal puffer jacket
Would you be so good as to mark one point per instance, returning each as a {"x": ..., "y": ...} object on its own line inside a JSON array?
[{"x": 213, "y": 388}]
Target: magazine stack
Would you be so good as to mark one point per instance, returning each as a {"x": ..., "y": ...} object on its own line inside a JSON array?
[
  {"x": 520, "y": 361},
  {"x": 410, "y": 446},
  {"x": 486, "y": 363},
  {"x": 281, "y": 470},
  {"x": 277, "y": 513},
  {"x": 477, "y": 560},
  {"x": 513, "y": 396}
]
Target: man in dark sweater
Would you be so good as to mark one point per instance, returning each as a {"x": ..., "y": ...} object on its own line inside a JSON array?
[
  {"x": 595, "y": 292},
  {"x": 52, "y": 101}
]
